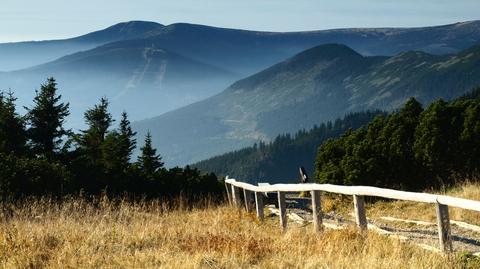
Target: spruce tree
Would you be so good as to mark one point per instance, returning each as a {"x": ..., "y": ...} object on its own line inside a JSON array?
[
  {"x": 46, "y": 120},
  {"x": 99, "y": 121},
  {"x": 126, "y": 140},
  {"x": 112, "y": 154},
  {"x": 12, "y": 127},
  {"x": 149, "y": 161},
  {"x": 117, "y": 148}
]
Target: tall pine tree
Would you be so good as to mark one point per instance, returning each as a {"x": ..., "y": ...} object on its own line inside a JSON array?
[
  {"x": 46, "y": 119},
  {"x": 149, "y": 161},
  {"x": 99, "y": 121},
  {"x": 127, "y": 140}
]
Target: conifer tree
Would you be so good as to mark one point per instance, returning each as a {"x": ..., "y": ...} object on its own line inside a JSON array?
[
  {"x": 12, "y": 127},
  {"x": 99, "y": 121},
  {"x": 46, "y": 120},
  {"x": 117, "y": 148},
  {"x": 112, "y": 154},
  {"x": 127, "y": 140},
  {"x": 149, "y": 161}
]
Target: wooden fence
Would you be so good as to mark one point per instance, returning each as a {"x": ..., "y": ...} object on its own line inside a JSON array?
[{"x": 441, "y": 202}]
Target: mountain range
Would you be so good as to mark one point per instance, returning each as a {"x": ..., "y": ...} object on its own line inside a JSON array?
[
  {"x": 19, "y": 55},
  {"x": 314, "y": 86},
  {"x": 143, "y": 81},
  {"x": 241, "y": 51},
  {"x": 150, "y": 69}
]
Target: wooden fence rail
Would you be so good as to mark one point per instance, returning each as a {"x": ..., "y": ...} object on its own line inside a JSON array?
[{"x": 442, "y": 202}]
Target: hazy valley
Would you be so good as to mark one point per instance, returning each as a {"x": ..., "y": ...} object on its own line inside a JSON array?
[{"x": 315, "y": 86}]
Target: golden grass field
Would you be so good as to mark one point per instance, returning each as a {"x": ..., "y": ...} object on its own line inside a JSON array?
[
  {"x": 412, "y": 210},
  {"x": 117, "y": 234}
]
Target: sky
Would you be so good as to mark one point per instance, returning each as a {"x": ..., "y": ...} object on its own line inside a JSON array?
[{"x": 56, "y": 19}]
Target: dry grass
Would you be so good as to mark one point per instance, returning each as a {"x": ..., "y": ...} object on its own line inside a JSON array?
[
  {"x": 106, "y": 234},
  {"x": 343, "y": 205},
  {"x": 426, "y": 212}
]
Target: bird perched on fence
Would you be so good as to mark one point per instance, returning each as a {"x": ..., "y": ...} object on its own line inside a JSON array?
[
  {"x": 303, "y": 175},
  {"x": 303, "y": 179}
]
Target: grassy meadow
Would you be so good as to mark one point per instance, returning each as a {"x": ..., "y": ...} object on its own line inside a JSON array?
[{"x": 103, "y": 233}]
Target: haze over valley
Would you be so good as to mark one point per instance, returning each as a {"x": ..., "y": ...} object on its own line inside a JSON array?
[{"x": 211, "y": 83}]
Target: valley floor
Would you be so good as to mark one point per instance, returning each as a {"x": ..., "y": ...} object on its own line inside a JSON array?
[{"x": 118, "y": 234}]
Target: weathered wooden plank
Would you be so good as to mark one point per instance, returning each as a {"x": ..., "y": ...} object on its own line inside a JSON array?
[
  {"x": 236, "y": 196},
  {"x": 283, "y": 210},
  {"x": 317, "y": 211},
  {"x": 360, "y": 216},
  {"x": 229, "y": 193},
  {"x": 465, "y": 225},
  {"x": 364, "y": 191},
  {"x": 443, "y": 222},
  {"x": 259, "y": 205},
  {"x": 247, "y": 197}
]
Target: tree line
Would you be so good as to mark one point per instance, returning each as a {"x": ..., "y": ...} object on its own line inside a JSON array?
[
  {"x": 39, "y": 156},
  {"x": 279, "y": 160},
  {"x": 413, "y": 148}
]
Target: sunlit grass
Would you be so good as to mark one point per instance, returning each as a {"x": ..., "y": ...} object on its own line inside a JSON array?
[{"x": 119, "y": 234}]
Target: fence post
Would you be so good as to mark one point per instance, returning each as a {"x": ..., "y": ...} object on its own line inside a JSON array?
[
  {"x": 360, "y": 217},
  {"x": 259, "y": 205},
  {"x": 229, "y": 195},
  {"x": 283, "y": 210},
  {"x": 443, "y": 223},
  {"x": 317, "y": 211},
  {"x": 247, "y": 195},
  {"x": 236, "y": 196}
]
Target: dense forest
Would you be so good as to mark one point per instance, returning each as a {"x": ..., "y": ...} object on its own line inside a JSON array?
[
  {"x": 279, "y": 160},
  {"x": 39, "y": 156},
  {"x": 413, "y": 148}
]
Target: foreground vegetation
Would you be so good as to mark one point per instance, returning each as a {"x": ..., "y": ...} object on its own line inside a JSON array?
[
  {"x": 77, "y": 233},
  {"x": 39, "y": 156}
]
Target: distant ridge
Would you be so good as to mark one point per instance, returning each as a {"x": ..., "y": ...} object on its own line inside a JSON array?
[
  {"x": 18, "y": 55},
  {"x": 244, "y": 51},
  {"x": 142, "y": 81},
  {"x": 317, "y": 85},
  {"x": 121, "y": 31}
]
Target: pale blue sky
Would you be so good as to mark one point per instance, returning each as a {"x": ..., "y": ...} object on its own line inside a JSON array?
[{"x": 51, "y": 19}]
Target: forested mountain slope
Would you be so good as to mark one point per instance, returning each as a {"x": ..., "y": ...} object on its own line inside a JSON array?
[
  {"x": 317, "y": 85},
  {"x": 279, "y": 160}
]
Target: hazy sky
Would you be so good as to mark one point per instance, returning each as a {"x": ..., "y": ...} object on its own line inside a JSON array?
[{"x": 49, "y": 19}]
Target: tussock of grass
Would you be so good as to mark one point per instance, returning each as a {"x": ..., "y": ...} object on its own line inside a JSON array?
[{"x": 119, "y": 234}]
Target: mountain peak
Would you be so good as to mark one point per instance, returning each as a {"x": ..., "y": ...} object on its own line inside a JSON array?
[
  {"x": 121, "y": 31},
  {"x": 325, "y": 55},
  {"x": 135, "y": 25},
  {"x": 327, "y": 52}
]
